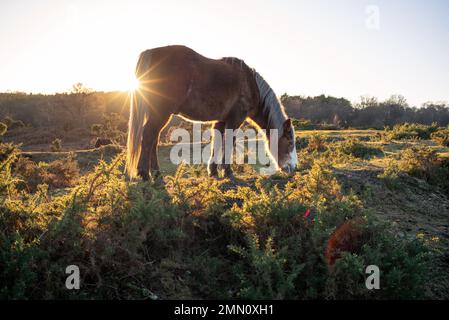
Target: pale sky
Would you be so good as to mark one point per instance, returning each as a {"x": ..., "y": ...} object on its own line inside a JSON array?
[{"x": 304, "y": 47}]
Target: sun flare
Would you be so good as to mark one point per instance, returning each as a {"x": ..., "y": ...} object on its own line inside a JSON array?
[{"x": 133, "y": 84}]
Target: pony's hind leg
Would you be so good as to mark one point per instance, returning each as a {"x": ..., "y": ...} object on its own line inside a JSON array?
[
  {"x": 143, "y": 167},
  {"x": 148, "y": 156},
  {"x": 217, "y": 142}
]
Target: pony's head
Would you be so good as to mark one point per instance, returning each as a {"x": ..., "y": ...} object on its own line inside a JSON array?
[
  {"x": 287, "y": 158},
  {"x": 273, "y": 116}
]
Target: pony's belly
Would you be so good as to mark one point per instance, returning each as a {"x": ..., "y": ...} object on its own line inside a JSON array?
[{"x": 198, "y": 117}]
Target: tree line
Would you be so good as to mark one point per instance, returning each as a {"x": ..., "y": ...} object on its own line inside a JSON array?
[
  {"x": 368, "y": 113},
  {"x": 82, "y": 108}
]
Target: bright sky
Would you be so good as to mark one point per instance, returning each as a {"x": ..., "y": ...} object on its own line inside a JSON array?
[{"x": 304, "y": 47}]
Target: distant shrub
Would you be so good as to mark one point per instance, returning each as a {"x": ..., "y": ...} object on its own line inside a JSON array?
[
  {"x": 29, "y": 172},
  {"x": 317, "y": 142},
  {"x": 61, "y": 173},
  {"x": 328, "y": 126},
  {"x": 56, "y": 145},
  {"x": 99, "y": 142},
  {"x": 421, "y": 162},
  {"x": 56, "y": 174},
  {"x": 13, "y": 124},
  {"x": 409, "y": 131},
  {"x": 110, "y": 128},
  {"x": 303, "y": 124},
  {"x": 441, "y": 137},
  {"x": 390, "y": 175},
  {"x": 3, "y": 128},
  {"x": 334, "y": 151},
  {"x": 357, "y": 149},
  {"x": 96, "y": 129}
]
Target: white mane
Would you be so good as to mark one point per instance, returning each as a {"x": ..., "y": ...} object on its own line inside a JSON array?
[{"x": 270, "y": 104}]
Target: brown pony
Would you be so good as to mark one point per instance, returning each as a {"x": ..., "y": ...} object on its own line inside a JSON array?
[{"x": 177, "y": 80}]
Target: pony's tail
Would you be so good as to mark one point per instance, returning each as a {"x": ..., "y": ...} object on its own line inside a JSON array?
[
  {"x": 137, "y": 118},
  {"x": 138, "y": 115}
]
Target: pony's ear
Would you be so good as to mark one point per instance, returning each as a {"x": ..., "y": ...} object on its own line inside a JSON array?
[{"x": 287, "y": 126}]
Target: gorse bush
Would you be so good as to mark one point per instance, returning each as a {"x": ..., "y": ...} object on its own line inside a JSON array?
[
  {"x": 194, "y": 237},
  {"x": 424, "y": 163},
  {"x": 420, "y": 162},
  {"x": 12, "y": 123},
  {"x": 3, "y": 128},
  {"x": 303, "y": 124},
  {"x": 110, "y": 128},
  {"x": 441, "y": 137},
  {"x": 358, "y": 149},
  {"x": 333, "y": 151},
  {"x": 409, "y": 131},
  {"x": 61, "y": 173},
  {"x": 317, "y": 142},
  {"x": 56, "y": 145}
]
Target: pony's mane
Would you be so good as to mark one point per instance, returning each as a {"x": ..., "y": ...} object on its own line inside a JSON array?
[{"x": 271, "y": 107}]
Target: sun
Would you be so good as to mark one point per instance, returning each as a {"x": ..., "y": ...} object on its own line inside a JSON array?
[{"x": 133, "y": 84}]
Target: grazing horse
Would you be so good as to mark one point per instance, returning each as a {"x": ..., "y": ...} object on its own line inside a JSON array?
[{"x": 177, "y": 80}]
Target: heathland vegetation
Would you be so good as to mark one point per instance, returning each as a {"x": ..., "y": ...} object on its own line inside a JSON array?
[{"x": 359, "y": 197}]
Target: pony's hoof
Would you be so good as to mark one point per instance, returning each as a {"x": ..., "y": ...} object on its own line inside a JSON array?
[
  {"x": 155, "y": 174},
  {"x": 213, "y": 173},
  {"x": 145, "y": 176},
  {"x": 228, "y": 175},
  {"x": 212, "y": 170},
  {"x": 158, "y": 179}
]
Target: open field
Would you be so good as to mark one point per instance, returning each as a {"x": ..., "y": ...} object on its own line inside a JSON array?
[
  {"x": 415, "y": 208},
  {"x": 181, "y": 237}
]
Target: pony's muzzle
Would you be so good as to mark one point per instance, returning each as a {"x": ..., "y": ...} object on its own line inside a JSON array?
[{"x": 288, "y": 168}]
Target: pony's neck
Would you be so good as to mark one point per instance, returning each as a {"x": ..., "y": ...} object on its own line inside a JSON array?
[
  {"x": 271, "y": 114},
  {"x": 263, "y": 122}
]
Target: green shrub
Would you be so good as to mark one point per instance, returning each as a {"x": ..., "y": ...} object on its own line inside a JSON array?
[
  {"x": 303, "y": 124},
  {"x": 421, "y": 162},
  {"x": 12, "y": 124},
  {"x": 409, "y": 131},
  {"x": 56, "y": 145},
  {"x": 193, "y": 237},
  {"x": 110, "y": 128},
  {"x": 390, "y": 175},
  {"x": 17, "y": 259},
  {"x": 56, "y": 174},
  {"x": 357, "y": 149},
  {"x": 404, "y": 268},
  {"x": 441, "y": 137},
  {"x": 3, "y": 128},
  {"x": 317, "y": 142}
]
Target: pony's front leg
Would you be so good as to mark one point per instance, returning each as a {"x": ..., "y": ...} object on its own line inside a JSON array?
[
  {"x": 227, "y": 151},
  {"x": 217, "y": 142},
  {"x": 229, "y": 143}
]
